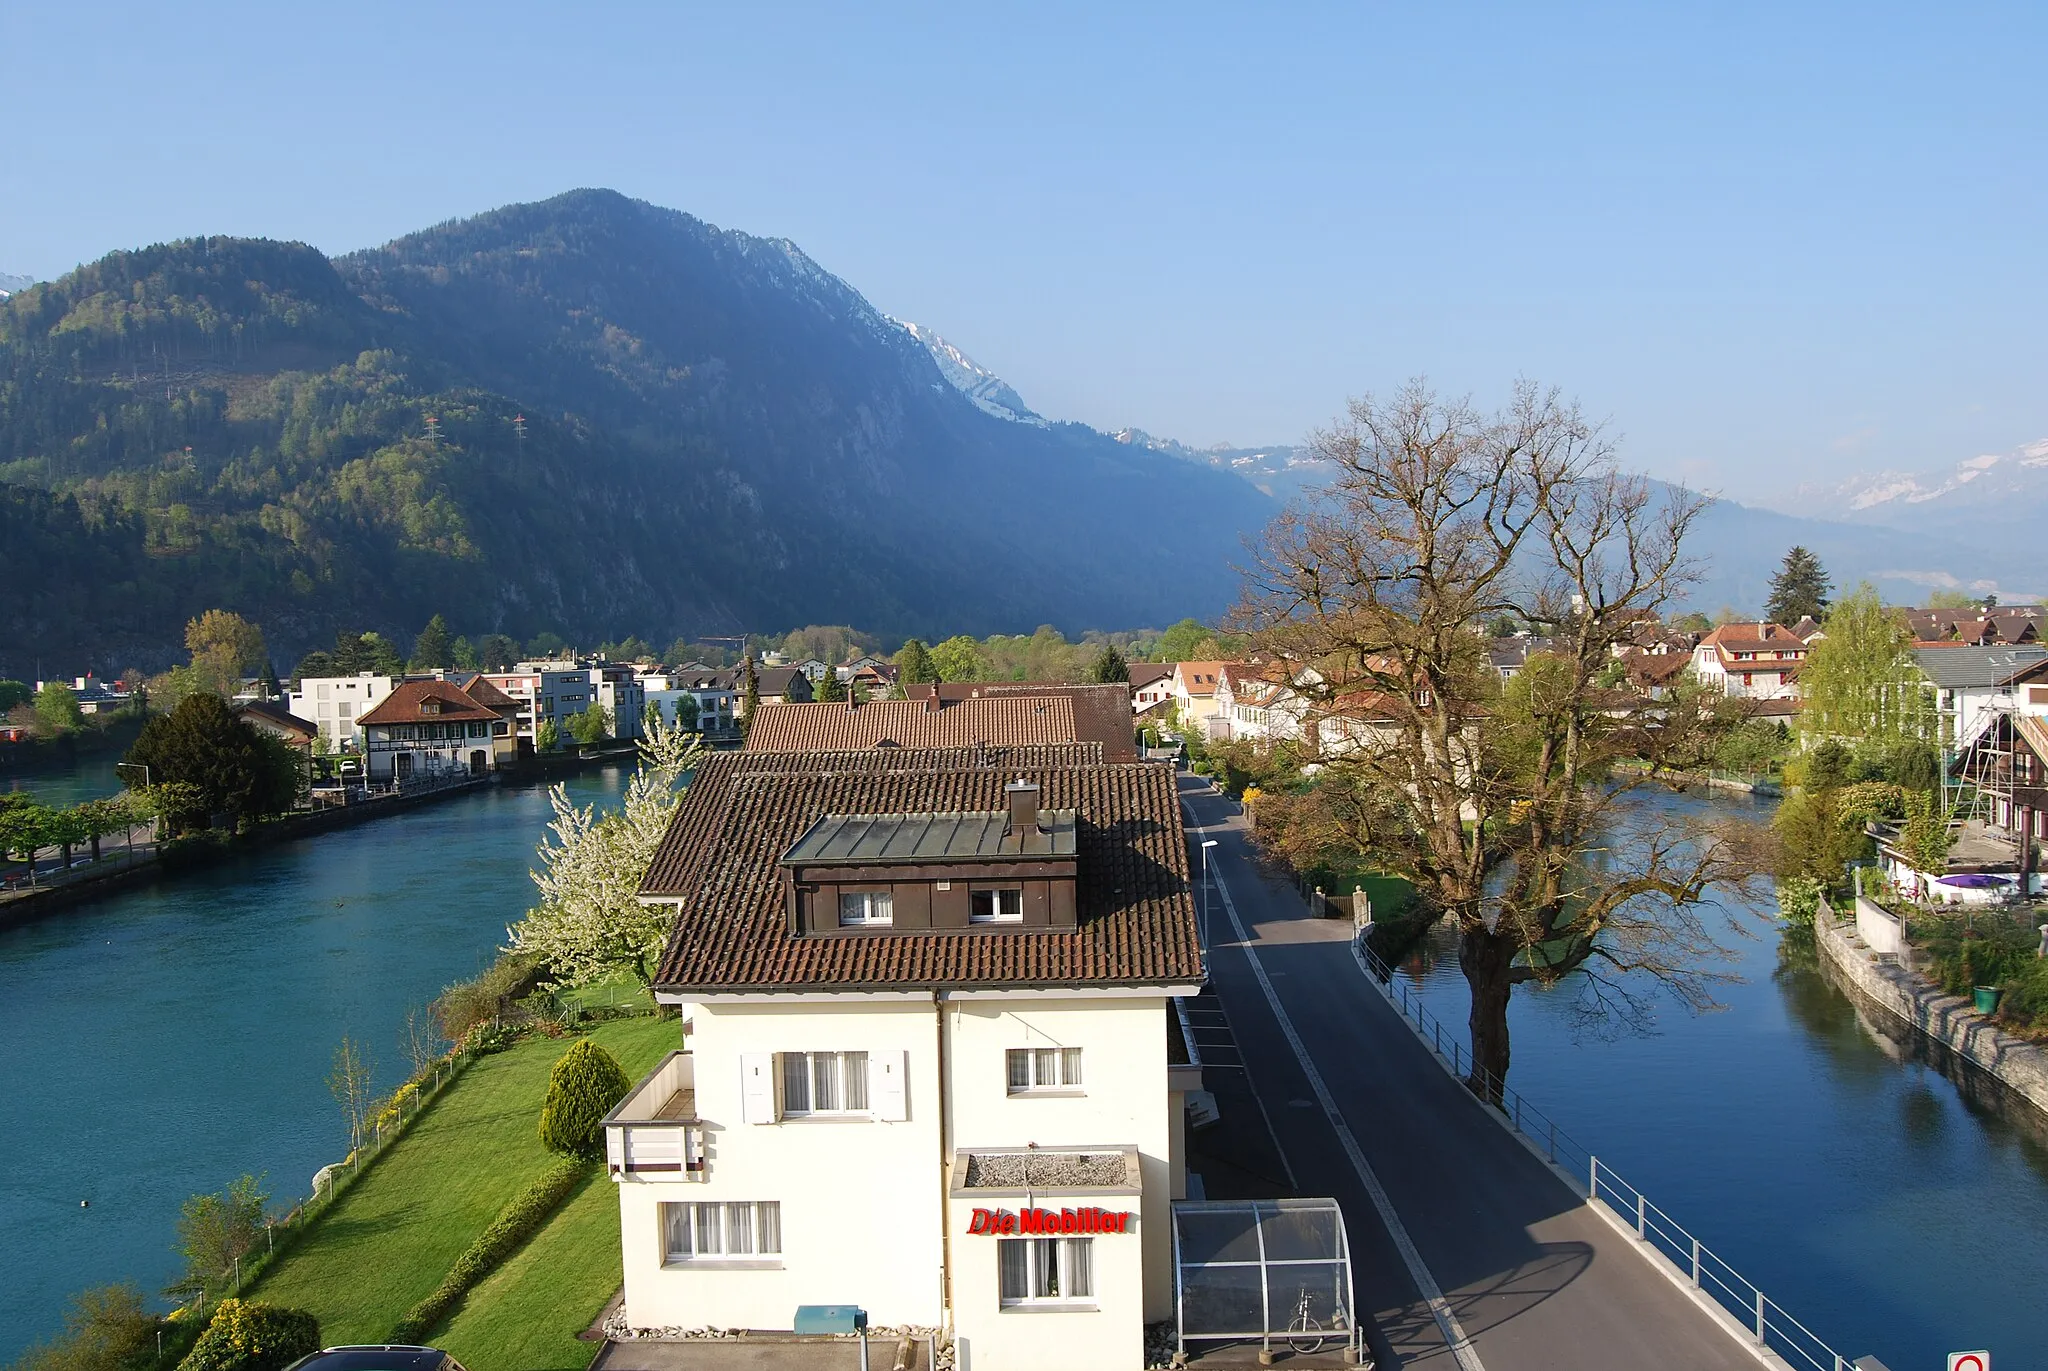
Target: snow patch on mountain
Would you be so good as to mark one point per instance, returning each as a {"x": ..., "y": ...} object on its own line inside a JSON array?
[
  {"x": 1893, "y": 489},
  {"x": 990, "y": 393},
  {"x": 10, "y": 283}
]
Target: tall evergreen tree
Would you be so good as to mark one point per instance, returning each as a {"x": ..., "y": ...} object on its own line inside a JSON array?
[
  {"x": 1110, "y": 666},
  {"x": 1799, "y": 590},
  {"x": 750, "y": 690},
  {"x": 431, "y": 650},
  {"x": 831, "y": 690}
]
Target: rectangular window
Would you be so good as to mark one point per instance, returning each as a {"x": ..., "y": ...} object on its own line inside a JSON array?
[
  {"x": 746, "y": 1231},
  {"x": 824, "y": 1083},
  {"x": 1046, "y": 1270},
  {"x": 996, "y": 906},
  {"x": 1043, "y": 1068},
  {"x": 860, "y": 908}
]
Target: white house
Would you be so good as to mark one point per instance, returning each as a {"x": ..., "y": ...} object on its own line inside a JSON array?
[
  {"x": 925, "y": 1066},
  {"x": 714, "y": 694},
  {"x": 1151, "y": 686},
  {"x": 428, "y": 728},
  {"x": 338, "y": 703},
  {"x": 1758, "y": 661}
]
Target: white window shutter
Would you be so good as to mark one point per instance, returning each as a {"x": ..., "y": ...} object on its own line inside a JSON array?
[
  {"x": 757, "y": 1087},
  {"x": 888, "y": 1095}
]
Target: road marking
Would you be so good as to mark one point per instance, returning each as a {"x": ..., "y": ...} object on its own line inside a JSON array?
[{"x": 1440, "y": 1308}]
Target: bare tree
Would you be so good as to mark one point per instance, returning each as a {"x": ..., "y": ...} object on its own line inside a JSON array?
[
  {"x": 422, "y": 1038},
  {"x": 1504, "y": 806},
  {"x": 350, "y": 1083}
]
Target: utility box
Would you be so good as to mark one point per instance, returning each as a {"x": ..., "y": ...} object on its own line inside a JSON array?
[{"x": 830, "y": 1318}]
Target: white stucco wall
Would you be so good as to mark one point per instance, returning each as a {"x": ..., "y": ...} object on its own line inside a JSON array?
[
  {"x": 865, "y": 1219},
  {"x": 860, "y": 1198}
]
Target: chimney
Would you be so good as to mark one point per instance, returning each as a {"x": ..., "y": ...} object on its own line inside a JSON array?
[{"x": 1022, "y": 797}]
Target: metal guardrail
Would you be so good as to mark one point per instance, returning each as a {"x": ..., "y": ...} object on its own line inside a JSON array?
[{"x": 1765, "y": 1319}]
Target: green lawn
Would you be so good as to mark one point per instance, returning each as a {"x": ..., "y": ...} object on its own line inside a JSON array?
[
  {"x": 526, "y": 1316},
  {"x": 388, "y": 1242}
]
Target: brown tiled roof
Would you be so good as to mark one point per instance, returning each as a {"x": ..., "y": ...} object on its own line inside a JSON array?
[
  {"x": 1753, "y": 638},
  {"x": 1657, "y": 668},
  {"x": 475, "y": 685},
  {"x": 277, "y": 715},
  {"x": 1102, "y": 713},
  {"x": 403, "y": 705},
  {"x": 1200, "y": 677},
  {"x": 1147, "y": 673},
  {"x": 744, "y": 810},
  {"x": 1005, "y": 721}
]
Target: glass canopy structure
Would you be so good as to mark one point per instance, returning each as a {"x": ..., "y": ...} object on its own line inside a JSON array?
[{"x": 1264, "y": 1271}]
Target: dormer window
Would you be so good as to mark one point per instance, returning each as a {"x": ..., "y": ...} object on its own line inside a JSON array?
[
  {"x": 866, "y": 909},
  {"x": 996, "y": 905}
]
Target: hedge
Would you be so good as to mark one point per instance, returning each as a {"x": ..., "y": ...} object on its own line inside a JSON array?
[{"x": 516, "y": 1222}]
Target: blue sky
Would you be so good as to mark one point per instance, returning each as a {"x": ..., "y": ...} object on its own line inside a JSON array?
[{"x": 1771, "y": 244}]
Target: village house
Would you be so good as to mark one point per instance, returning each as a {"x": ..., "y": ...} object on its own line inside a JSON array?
[
  {"x": 1756, "y": 661},
  {"x": 507, "y": 745},
  {"x": 427, "y": 728},
  {"x": 954, "y": 967},
  {"x": 1151, "y": 685},
  {"x": 1194, "y": 695},
  {"x": 336, "y": 704},
  {"x": 714, "y": 693},
  {"x": 267, "y": 716},
  {"x": 777, "y": 685}
]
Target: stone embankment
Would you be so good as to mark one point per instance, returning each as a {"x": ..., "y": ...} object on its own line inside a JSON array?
[{"x": 1852, "y": 945}]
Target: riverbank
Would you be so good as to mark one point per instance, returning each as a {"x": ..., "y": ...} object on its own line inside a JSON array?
[
  {"x": 387, "y": 1241},
  {"x": 209, "y": 1003},
  {"x": 118, "y": 871},
  {"x": 1857, "y": 945}
]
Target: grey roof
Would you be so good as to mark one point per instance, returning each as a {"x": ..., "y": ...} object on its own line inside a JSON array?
[
  {"x": 889, "y": 838},
  {"x": 1960, "y": 668}
]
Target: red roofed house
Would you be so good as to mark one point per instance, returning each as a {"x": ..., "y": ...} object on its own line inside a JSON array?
[
  {"x": 926, "y": 1002},
  {"x": 1194, "y": 691},
  {"x": 1756, "y": 661},
  {"x": 427, "y": 728}
]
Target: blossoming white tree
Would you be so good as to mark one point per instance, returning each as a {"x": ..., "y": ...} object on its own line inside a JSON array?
[{"x": 588, "y": 923}]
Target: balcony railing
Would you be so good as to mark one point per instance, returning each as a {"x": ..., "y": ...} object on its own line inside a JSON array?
[{"x": 655, "y": 1133}]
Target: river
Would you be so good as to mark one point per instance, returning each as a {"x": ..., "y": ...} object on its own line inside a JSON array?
[
  {"x": 1888, "y": 1209},
  {"x": 165, "y": 1040}
]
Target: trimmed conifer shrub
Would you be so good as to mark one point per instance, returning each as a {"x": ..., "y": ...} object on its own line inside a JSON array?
[
  {"x": 582, "y": 1089},
  {"x": 253, "y": 1337}
]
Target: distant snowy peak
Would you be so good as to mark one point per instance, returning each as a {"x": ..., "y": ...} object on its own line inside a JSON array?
[
  {"x": 1282, "y": 471},
  {"x": 1994, "y": 477},
  {"x": 10, "y": 284},
  {"x": 990, "y": 392}
]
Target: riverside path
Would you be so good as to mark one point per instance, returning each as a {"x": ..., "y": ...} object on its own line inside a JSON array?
[{"x": 1469, "y": 1253}]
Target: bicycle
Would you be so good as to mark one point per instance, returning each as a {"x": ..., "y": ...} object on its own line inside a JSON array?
[{"x": 1304, "y": 1333}]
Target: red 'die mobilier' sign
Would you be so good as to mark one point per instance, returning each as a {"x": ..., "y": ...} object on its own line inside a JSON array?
[{"x": 1049, "y": 1222}]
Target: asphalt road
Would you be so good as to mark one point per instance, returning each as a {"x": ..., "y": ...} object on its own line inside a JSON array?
[{"x": 1505, "y": 1268}]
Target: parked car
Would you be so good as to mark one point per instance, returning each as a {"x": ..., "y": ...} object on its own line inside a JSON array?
[{"x": 374, "y": 1357}]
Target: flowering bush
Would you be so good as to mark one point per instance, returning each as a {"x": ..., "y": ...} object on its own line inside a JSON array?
[{"x": 253, "y": 1337}]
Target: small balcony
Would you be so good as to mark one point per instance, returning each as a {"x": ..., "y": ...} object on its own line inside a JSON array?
[{"x": 654, "y": 1134}]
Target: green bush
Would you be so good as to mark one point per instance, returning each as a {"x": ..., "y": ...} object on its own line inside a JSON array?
[
  {"x": 1799, "y": 898},
  {"x": 253, "y": 1337},
  {"x": 105, "y": 1329},
  {"x": 516, "y": 1222},
  {"x": 582, "y": 1089}
]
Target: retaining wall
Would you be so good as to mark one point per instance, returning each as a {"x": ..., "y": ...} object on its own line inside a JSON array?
[{"x": 1947, "y": 1019}]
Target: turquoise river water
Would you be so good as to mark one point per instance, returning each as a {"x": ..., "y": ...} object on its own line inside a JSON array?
[{"x": 168, "y": 1039}]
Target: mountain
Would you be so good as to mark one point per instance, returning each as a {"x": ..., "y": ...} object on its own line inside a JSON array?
[
  {"x": 990, "y": 393},
  {"x": 1282, "y": 471},
  {"x": 11, "y": 283},
  {"x": 590, "y": 416}
]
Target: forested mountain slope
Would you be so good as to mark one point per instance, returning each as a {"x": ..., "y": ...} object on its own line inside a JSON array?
[{"x": 591, "y": 416}]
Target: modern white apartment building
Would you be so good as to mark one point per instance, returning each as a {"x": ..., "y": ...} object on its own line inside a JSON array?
[
  {"x": 335, "y": 703},
  {"x": 925, "y": 1066}
]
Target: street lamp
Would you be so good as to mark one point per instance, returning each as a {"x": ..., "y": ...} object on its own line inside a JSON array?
[{"x": 1205, "y": 892}]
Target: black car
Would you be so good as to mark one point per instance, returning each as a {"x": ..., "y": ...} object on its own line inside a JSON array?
[{"x": 394, "y": 1357}]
